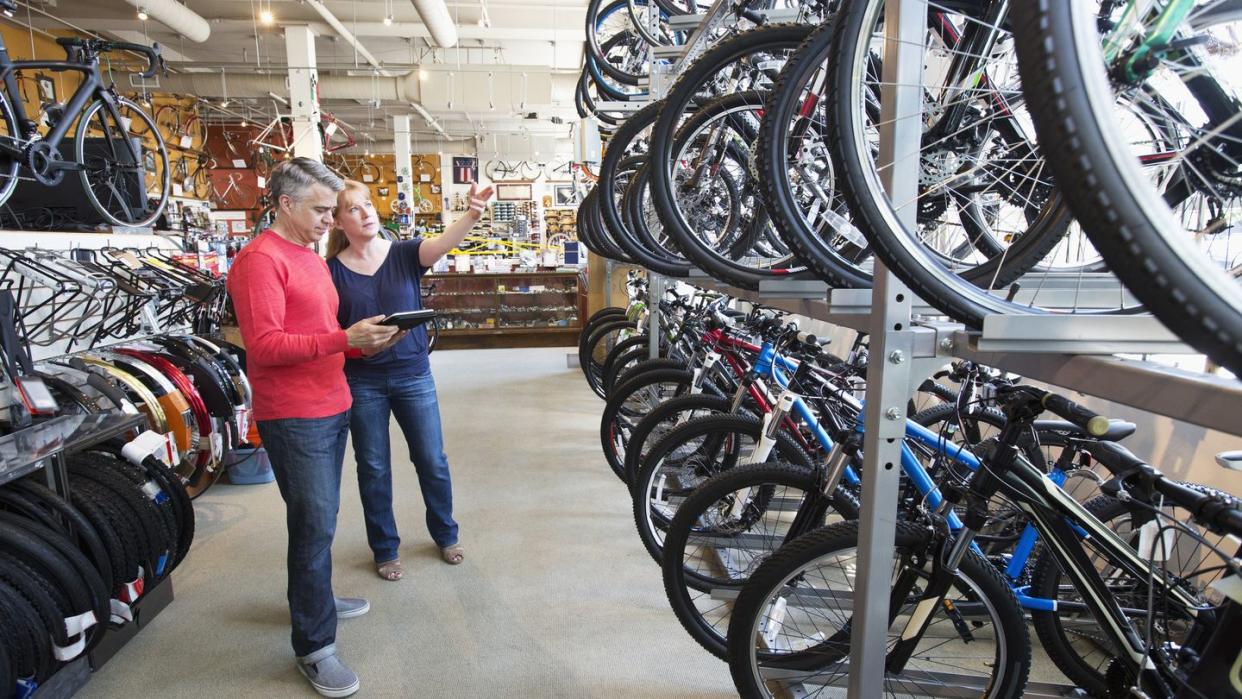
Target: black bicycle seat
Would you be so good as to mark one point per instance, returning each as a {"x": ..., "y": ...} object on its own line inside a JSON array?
[{"x": 1117, "y": 429}]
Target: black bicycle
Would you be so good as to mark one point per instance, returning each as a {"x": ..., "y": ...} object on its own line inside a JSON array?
[{"x": 117, "y": 149}]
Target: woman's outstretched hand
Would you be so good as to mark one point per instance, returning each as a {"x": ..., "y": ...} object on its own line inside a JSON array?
[{"x": 478, "y": 199}]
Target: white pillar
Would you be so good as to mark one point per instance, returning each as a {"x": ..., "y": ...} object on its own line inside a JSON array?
[
  {"x": 402, "y": 159},
  {"x": 303, "y": 91}
]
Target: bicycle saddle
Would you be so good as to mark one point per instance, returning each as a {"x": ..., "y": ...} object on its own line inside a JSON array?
[
  {"x": 1117, "y": 429},
  {"x": 1231, "y": 460}
]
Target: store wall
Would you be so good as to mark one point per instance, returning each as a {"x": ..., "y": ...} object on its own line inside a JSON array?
[{"x": 18, "y": 41}]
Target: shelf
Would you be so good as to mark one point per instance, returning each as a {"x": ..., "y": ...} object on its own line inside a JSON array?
[
  {"x": 24, "y": 451},
  {"x": 1073, "y": 352},
  {"x": 504, "y": 329}
]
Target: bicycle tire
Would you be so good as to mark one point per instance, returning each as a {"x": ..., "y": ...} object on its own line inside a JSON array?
[
  {"x": 157, "y": 541},
  {"x": 623, "y": 351},
  {"x": 786, "y": 450},
  {"x": 1125, "y": 218},
  {"x": 642, "y": 365},
  {"x": 689, "y": 85},
  {"x": 983, "y": 579},
  {"x": 649, "y": 428},
  {"x": 49, "y": 603},
  {"x": 9, "y": 169},
  {"x": 90, "y": 540},
  {"x": 165, "y": 171},
  {"x": 22, "y": 634},
  {"x": 681, "y": 585},
  {"x": 593, "y": 348},
  {"x": 612, "y": 427}
]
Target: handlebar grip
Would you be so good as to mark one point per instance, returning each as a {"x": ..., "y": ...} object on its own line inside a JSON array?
[
  {"x": 1214, "y": 511},
  {"x": 807, "y": 338},
  {"x": 1095, "y": 425}
]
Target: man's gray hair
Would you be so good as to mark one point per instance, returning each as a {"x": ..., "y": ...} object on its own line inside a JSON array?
[{"x": 294, "y": 177}]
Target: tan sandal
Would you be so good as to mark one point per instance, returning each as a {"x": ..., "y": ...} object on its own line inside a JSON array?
[
  {"x": 390, "y": 570},
  {"x": 453, "y": 555}
]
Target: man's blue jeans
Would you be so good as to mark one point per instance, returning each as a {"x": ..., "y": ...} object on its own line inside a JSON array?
[
  {"x": 412, "y": 399},
  {"x": 306, "y": 455}
]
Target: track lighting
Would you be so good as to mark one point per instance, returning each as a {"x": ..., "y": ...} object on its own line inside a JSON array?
[
  {"x": 388, "y": 21},
  {"x": 142, "y": 14}
]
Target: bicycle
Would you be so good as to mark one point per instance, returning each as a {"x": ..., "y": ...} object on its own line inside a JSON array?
[
  {"x": 182, "y": 131},
  {"x": 940, "y": 572},
  {"x": 235, "y": 195},
  {"x": 499, "y": 170},
  {"x": 196, "y": 181},
  {"x": 119, "y": 153}
]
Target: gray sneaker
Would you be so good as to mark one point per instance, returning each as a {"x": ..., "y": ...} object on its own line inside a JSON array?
[
  {"x": 329, "y": 676},
  {"x": 350, "y": 607}
]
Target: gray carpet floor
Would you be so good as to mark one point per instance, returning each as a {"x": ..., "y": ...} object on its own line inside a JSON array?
[{"x": 556, "y": 598}]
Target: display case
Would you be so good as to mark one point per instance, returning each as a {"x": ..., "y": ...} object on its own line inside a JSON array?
[{"x": 523, "y": 309}]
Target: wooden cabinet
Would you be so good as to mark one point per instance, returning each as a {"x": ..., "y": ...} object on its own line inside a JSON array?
[{"x": 532, "y": 309}]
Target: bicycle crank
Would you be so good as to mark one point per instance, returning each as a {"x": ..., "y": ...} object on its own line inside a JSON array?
[{"x": 44, "y": 162}]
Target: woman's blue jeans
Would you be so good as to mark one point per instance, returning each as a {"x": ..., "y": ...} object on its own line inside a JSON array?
[{"x": 412, "y": 400}]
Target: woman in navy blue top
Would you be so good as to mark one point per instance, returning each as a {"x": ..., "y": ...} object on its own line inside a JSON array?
[{"x": 374, "y": 276}]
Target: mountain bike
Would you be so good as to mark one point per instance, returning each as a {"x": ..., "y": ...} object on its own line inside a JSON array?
[
  {"x": 118, "y": 151},
  {"x": 945, "y": 592}
]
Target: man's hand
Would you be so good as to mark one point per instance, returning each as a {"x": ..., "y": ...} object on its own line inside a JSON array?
[
  {"x": 369, "y": 336},
  {"x": 387, "y": 345}
]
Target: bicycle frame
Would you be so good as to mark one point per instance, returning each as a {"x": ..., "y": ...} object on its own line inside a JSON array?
[{"x": 92, "y": 86}]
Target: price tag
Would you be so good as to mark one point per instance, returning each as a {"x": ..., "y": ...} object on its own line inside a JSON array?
[
  {"x": 239, "y": 163},
  {"x": 242, "y": 416},
  {"x": 217, "y": 445},
  {"x": 177, "y": 190},
  {"x": 186, "y": 141},
  {"x": 367, "y": 177},
  {"x": 174, "y": 455},
  {"x": 424, "y": 178},
  {"x": 261, "y": 181}
]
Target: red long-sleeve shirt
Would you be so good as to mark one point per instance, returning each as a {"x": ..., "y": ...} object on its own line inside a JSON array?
[{"x": 286, "y": 307}]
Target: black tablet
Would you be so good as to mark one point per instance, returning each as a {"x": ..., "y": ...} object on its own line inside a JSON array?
[{"x": 409, "y": 319}]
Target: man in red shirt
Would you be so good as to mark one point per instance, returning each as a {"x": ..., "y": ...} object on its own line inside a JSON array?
[{"x": 286, "y": 306}]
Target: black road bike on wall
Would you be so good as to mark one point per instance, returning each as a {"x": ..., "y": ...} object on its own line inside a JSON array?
[{"x": 117, "y": 149}]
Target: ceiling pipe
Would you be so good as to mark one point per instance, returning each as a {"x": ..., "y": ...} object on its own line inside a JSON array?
[
  {"x": 176, "y": 17},
  {"x": 439, "y": 22},
  {"x": 343, "y": 32}
]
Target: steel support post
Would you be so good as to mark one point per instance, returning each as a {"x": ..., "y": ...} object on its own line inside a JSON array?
[
  {"x": 892, "y": 343},
  {"x": 303, "y": 91},
  {"x": 402, "y": 159}
]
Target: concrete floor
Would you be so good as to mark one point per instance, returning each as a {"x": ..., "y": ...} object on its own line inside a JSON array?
[{"x": 556, "y": 598}]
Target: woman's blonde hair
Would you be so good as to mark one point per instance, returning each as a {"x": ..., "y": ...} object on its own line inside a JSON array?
[{"x": 337, "y": 241}]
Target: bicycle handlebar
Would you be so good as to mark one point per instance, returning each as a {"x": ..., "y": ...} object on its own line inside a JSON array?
[
  {"x": 1092, "y": 423},
  {"x": 155, "y": 61},
  {"x": 1214, "y": 511}
]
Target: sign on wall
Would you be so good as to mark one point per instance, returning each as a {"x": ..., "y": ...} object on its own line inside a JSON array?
[{"x": 465, "y": 170}]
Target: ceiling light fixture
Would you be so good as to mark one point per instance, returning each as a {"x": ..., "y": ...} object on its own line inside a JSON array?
[
  {"x": 266, "y": 17},
  {"x": 422, "y": 74},
  {"x": 388, "y": 21},
  {"x": 142, "y": 14}
]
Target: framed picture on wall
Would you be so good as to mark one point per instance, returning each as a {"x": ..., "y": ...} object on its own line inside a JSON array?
[
  {"x": 465, "y": 170},
  {"x": 565, "y": 195},
  {"x": 47, "y": 87},
  {"x": 513, "y": 192}
]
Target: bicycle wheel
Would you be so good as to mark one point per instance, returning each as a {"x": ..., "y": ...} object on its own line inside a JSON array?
[
  {"x": 665, "y": 418},
  {"x": 1073, "y": 638},
  {"x": 1162, "y": 220},
  {"x": 977, "y": 194},
  {"x": 791, "y": 624},
  {"x": 746, "y": 61},
  {"x": 127, "y": 177},
  {"x": 10, "y": 134},
  {"x": 727, "y": 528},
  {"x": 687, "y": 457},
  {"x": 630, "y": 403}
]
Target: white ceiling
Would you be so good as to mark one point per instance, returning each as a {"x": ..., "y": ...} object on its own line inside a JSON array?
[{"x": 524, "y": 61}]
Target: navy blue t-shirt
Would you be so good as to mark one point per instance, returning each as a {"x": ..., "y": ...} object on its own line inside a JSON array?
[{"x": 392, "y": 289}]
